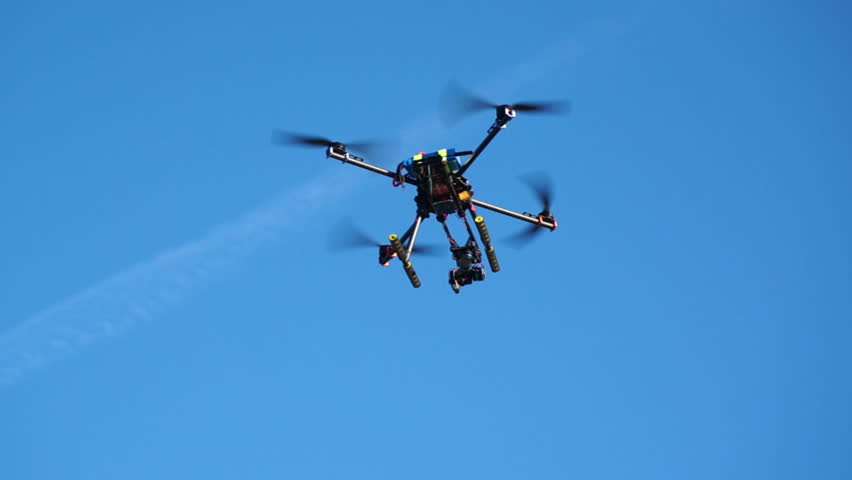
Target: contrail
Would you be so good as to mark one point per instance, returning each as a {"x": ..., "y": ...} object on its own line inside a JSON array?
[{"x": 143, "y": 291}]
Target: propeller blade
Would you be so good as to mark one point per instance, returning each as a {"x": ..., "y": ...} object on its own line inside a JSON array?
[
  {"x": 542, "y": 107},
  {"x": 541, "y": 185},
  {"x": 362, "y": 147},
  {"x": 429, "y": 250},
  {"x": 289, "y": 138},
  {"x": 348, "y": 236},
  {"x": 525, "y": 236},
  {"x": 369, "y": 148},
  {"x": 457, "y": 101},
  {"x": 470, "y": 103}
]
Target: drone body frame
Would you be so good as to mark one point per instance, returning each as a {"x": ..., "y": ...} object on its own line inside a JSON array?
[{"x": 442, "y": 190}]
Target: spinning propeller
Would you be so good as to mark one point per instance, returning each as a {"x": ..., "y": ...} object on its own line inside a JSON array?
[
  {"x": 458, "y": 101},
  {"x": 370, "y": 148},
  {"x": 543, "y": 189},
  {"x": 289, "y": 138},
  {"x": 349, "y": 236}
]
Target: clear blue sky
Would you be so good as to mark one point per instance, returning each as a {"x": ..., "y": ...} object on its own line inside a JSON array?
[{"x": 169, "y": 308}]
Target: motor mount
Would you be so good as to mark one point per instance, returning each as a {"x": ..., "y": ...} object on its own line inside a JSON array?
[{"x": 504, "y": 114}]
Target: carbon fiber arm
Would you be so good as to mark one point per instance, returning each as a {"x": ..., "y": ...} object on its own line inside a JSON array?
[{"x": 549, "y": 223}]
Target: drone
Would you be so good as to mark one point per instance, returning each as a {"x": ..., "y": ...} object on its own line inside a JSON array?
[{"x": 443, "y": 191}]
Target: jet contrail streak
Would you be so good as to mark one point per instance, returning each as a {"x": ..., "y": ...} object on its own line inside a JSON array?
[{"x": 141, "y": 292}]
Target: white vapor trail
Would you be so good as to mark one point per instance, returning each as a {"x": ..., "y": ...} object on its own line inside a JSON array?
[{"x": 143, "y": 291}]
